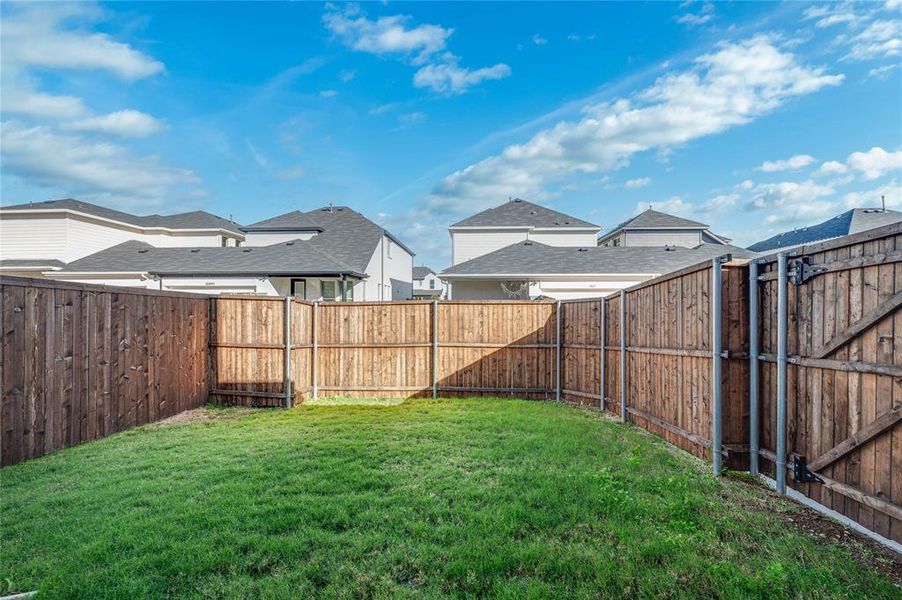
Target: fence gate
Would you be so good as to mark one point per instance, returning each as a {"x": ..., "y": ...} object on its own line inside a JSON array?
[{"x": 841, "y": 392}]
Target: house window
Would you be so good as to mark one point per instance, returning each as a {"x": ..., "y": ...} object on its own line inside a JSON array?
[
  {"x": 349, "y": 291},
  {"x": 237, "y": 243},
  {"x": 328, "y": 290},
  {"x": 432, "y": 284},
  {"x": 225, "y": 241},
  {"x": 299, "y": 288},
  {"x": 388, "y": 251}
]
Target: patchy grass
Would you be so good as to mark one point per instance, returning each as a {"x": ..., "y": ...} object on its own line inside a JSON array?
[{"x": 466, "y": 498}]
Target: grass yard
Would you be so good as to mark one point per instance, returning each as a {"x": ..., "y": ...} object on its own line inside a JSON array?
[{"x": 465, "y": 498}]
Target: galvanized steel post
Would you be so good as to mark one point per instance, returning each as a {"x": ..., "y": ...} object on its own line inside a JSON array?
[
  {"x": 287, "y": 357},
  {"x": 781, "y": 372},
  {"x": 557, "y": 386},
  {"x": 716, "y": 367},
  {"x": 753, "y": 367},
  {"x": 623, "y": 356},
  {"x": 601, "y": 336},
  {"x": 435, "y": 348},
  {"x": 313, "y": 367}
]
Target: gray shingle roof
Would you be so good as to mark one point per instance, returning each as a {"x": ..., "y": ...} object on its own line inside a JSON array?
[
  {"x": 653, "y": 219},
  {"x": 519, "y": 212},
  {"x": 197, "y": 219},
  {"x": 292, "y": 221},
  {"x": 30, "y": 262},
  {"x": 532, "y": 258},
  {"x": 288, "y": 258},
  {"x": 847, "y": 223},
  {"x": 420, "y": 273}
]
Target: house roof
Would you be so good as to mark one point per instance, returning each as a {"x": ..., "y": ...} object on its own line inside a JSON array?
[
  {"x": 526, "y": 259},
  {"x": 847, "y": 223},
  {"x": 24, "y": 263},
  {"x": 342, "y": 232},
  {"x": 197, "y": 219},
  {"x": 520, "y": 213},
  {"x": 420, "y": 273},
  {"x": 297, "y": 257}
]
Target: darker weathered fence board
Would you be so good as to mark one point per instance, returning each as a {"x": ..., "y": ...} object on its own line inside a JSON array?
[
  {"x": 832, "y": 396},
  {"x": 80, "y": 362}
]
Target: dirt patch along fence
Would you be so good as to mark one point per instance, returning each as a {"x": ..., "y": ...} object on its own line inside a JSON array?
[
  {"x": 838, "y": 403},
  {"x": 80, "y": 362}
]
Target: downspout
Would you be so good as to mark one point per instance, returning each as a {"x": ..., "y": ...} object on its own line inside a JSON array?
[{"x": 382, "y": 268}]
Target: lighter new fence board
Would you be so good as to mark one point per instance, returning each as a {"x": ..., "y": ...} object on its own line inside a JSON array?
[
  {"x": 844, "y": 375},
  {"x": 80, "y": 362}
]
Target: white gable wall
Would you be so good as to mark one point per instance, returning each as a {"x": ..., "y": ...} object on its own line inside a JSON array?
[
  {"x": 268, "y": 238},
  {"x": 688, "y": 238},
  {"x": 467, "y": 245},
  {"x": 567, "y": 239}
]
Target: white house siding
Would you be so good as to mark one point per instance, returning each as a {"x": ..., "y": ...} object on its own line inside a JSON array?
[
  {"x": 70, "y": 237},
  {"x": 422, "y": 285},
  {"x": 676, "y": 237},
  {"x": 390, "y": 277},
  {"x": 268, "y": 238},
  {"x": 558, "y": 288},
  {"x": 564, "y": 238},
  {"x": 467, "y": 245}
]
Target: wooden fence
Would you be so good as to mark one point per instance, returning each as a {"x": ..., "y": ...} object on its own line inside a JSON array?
[
  {"x": 843, "y": 399},
  {"x": 80, "y": 362},
  {"x": 669, "y": 358}
]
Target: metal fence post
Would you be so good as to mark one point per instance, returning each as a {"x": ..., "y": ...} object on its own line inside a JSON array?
[
  {"x": 753, "y": 367},
  {"x": 557, "y": 386},
  {"x": 315, "y": 348},
  {"x": 601, "y": 333},
  {"x": 781, "y": 372},
  {"x": 435, "y": 348},
  {"x": 287, "y": 319},
  {"x": 716, "y": 367},
  {"x": 623, "y": 356}
]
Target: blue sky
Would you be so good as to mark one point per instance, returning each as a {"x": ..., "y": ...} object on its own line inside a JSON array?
[{"x": 752, "y": 117}]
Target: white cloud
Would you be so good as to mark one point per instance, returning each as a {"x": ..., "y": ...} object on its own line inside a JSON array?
[
  {"x": 123, "y": 123},
  {"x": 827, "y": 15},
  {"x": 731, "y": 86},
  {"x": 634, "y": 184},
  {"x": 771, "y": 195},
  {"x": 538, "y": 40},
  {"x": 880, "y": 39},
  {"x": 82, "y": 166},
  {"x": 892, "y": 192},
  {"x": 875, "y": 163},
  {"x": 34, "y": 35},
  {"x": 674, "y": 205},
  {"x": 258, "y": 156},
  {"x": 384, "y": 108},
  {"x": 884, "y": 71},
  {"x": 19, "y": 97},
  {"x": 705, "y": 15},
  {"x": 832, "y": 167},
  {"x": 387, "y": 35},
  {"x": 412, "y": 118},
  {"x": 799, "y": 161},
  {"x": 453, "y": 79},
  {"x": 328, "y": 93},
  {"x": 292, "y": 172},
  {"x": 420, "y": 45},
  {"x": 721, "y": 202},
  {"x": 347, "y": 75}
]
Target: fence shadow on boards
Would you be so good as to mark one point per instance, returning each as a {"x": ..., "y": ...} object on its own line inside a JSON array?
[
  {"x": 829, "y": 353},
  {"x": 80, "y": 362},
  {"x": 662, "y": 350},
  {"x": 381, "y": 349}
]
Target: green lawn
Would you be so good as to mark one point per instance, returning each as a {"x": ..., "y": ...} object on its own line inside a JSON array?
[{"x": 466, "y": 498}]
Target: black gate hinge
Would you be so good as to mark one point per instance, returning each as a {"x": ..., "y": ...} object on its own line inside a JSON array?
[
  {"x": 801, "y": 271},
  {"x": 802, "y": 473}
]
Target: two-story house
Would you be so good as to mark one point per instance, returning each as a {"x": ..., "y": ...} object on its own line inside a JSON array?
[
  {"x": 427, "y": 285},
  {"x": 332, "y": 253},
  {"x": 550, "y": 254}
]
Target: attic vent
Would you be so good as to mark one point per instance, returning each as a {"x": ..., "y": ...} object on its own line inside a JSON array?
[
  {"x": 669, "y": 248},
  {"x": 532, "y": 212},
  {"x": 527, "y": 243},
  {"x": 871, "y": 210},
  {"x": 289, "y": 243},
  {"x": 195, "y": 250},
  {"x": 142, "y": 251},
  {"x": 516, "y": 200},
  {"x": 583, "y": 250},
  {"x": 246, "y": 250}
]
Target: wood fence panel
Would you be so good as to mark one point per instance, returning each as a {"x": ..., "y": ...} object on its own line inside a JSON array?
[
  {"x": 301, "y": 350},
  {"x": 581, "y": 349},
  {"x": 845, "y": 347},
  {"x": 80, "y": 362}
]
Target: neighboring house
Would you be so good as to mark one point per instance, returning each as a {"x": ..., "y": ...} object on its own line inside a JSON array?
[
  {"x": 333, "y": 253},
  {"x": 426, "y": 284},
  {"x": 516, "y": 221},
  {"x": 653, "y": 228},
  {"x": 44, "y": 236},
  {"x": 556, "y": 255},
  {"x": 847, "y": 223},
  {"x": 533, "y": 270}
]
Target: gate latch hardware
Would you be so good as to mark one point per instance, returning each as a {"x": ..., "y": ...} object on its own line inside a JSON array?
[
  {"x": 801, "y": 271},
  {"x": 802, "y": 473}
]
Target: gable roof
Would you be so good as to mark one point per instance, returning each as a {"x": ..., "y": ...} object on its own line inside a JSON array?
[
  {"x": 297, "y": 257},
  {"x": 520, "y": 213},
  {"x": 291, "y": 221},
  {"x": 197, "y": 219},
  {"x": 530, "y": 259},
  {"x": 420, "y": 273},
  {"x": 852, "y": 221},
  {"x": 653, "y": 219}
]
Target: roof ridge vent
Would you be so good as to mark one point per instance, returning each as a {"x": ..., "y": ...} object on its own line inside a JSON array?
[{"x": 527, "y": 243}]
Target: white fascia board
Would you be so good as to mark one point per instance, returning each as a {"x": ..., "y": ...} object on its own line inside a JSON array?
[
  {"x": 101, "y": 274},
  {"x": 564, "y": 228},
  {"x": 90, "y": 217},
  {"x": 561, "y": 276},
  {"x": 488, "y": 227},
  {"x": 31, "y": 268}
]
